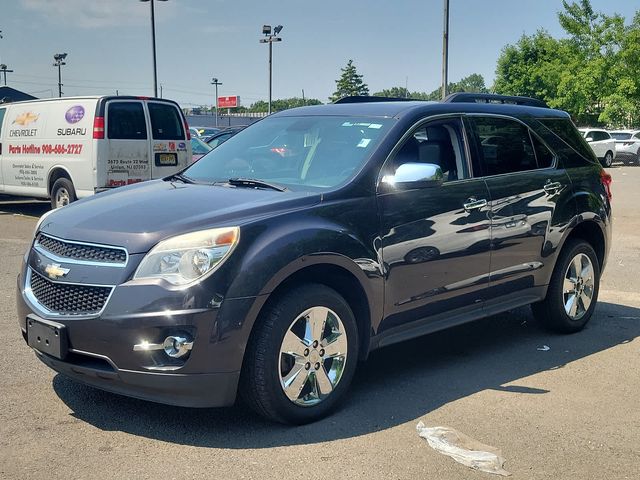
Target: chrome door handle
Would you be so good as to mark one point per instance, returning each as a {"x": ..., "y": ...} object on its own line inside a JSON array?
[
  {"x": 473, "y": 204},
  {"x": 552, "y": 187}
]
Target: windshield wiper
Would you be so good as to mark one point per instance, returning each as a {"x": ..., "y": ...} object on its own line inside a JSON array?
[
  {"x": 183, "y": 178},
  {"x": 254, "y": 182}
]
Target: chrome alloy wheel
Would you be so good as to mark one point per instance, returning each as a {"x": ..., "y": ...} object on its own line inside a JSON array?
[
  {"x": 62, "y": 197},
  {"x": 312, "y": 357},
  {"x": 578, "y": 286}
]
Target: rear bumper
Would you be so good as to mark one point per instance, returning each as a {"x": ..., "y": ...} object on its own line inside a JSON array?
[{"x": 194, "y": 390}]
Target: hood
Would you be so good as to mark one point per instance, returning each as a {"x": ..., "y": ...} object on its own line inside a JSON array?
[{"x": 139, "y": 216}]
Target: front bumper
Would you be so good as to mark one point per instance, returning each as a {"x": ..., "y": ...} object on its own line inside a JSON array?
[{"x": 100, "y": 349}]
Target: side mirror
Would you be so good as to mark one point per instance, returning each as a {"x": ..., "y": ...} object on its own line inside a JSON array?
[
  {"x": 415, "y": 175},
  {"x": 589, "y": 139}
]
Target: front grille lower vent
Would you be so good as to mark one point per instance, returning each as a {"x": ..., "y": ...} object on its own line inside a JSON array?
[{"x": 67, "y": 298}]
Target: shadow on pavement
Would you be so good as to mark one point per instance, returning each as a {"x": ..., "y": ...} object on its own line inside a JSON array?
[
  {"x": 397, "y": 384},
  {"x": 28, "y": 207}
]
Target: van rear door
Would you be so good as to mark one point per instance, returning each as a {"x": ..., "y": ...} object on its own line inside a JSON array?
[
  {"x": 170, "y": 150},
  {"x": 128, "y": 144}
]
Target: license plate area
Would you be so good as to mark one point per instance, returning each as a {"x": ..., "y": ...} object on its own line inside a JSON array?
[
  {"x": 47, "y": 337},
  {"x": 166, "y": 159}
]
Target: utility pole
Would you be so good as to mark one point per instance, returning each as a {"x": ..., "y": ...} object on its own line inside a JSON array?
[
  {"x": 160, "y": 90},
  {"x": 214, "y": 81},
  {"x": 270, "y": 38},
  {"x": 59, "y": 59},
  {"x": 445, "y": 50},
  {"x": 4, "y": 70},
  {"x": 153, "y": 45}
]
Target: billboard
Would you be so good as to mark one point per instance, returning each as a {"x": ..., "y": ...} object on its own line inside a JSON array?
[{"x": 229, "y": 102}]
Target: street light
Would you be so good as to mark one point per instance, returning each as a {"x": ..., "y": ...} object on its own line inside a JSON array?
[
  {"x": 153, "y": 46},
  {"x": 270, "y": 38},
  {"x": 59, "y": 59},
  {"x": 214, "y": 81},
  {"x": 4, "y": 70}
]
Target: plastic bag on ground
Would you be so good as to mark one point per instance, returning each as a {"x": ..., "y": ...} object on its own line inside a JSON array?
[{"x": 464, "y": 449}]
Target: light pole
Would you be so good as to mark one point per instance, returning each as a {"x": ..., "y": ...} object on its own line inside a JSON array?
[
  {"x": 59, "y": 59},
  {"x": 445, "y": 50},
  {"x": 214, "y": 81},
  {"x": 153, "y": 45},
  {"x": 270, "y": 38},
  {"x": 4, "y": 70}
]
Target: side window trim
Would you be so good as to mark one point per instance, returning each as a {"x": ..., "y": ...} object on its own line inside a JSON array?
[
  {"x": 476, "y": 142},
  {"x": 411, "y": 131}
]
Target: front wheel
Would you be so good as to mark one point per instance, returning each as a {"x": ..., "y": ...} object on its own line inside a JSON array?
[
  {"x": 301, "y": 356},
  {"x": 573, "y": 291},
  {"x": 62, "y": 193},
  {"x": 608, "y": 159}
]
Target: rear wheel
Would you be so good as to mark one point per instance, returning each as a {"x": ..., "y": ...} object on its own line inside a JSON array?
[
  {"x": 573, "y": 290},
  {"x": 62, "y": 193},
  {"x": 301, "y": 357},
  {"x": 608, "y": 159}
]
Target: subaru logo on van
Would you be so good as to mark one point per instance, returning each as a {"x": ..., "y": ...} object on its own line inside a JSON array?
[{"x": 74, "y": 114}]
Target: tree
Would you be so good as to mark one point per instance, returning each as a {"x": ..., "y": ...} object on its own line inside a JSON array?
[
  {"x": 350, "y": 83},
  {"x": 593, "y": 73},
  {"x": 471, "y": 83},
  {"x": 282, "y": 104}
]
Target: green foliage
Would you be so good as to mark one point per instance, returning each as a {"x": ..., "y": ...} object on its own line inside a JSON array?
[
  {"x": 471, "y": 83},
  {"x": 592, "y": 74},
  {"x": 350, "y": 83},
  {"x": 282, "y": 104}
]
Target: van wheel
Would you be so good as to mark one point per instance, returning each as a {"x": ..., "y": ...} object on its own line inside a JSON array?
[
  {"x": 573, "y": 291},
  {"x": 62, "y": 193},
  {"x": 301, "y": 356},
  {"x": 607, "y": 161}
]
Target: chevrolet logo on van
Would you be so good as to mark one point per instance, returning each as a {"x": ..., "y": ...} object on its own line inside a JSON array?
[{"x": 55, "y": 271}]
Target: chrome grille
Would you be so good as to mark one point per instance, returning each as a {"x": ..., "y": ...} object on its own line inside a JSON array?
[
  {"x": 81, "y": 251},
  {"x": 68, "y": 298}
]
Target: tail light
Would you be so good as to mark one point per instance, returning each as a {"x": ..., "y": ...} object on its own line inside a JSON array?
[
  {"x": 186, "y": 128},
  {"x": 98, "y": 128},
  {"x": 606, "y": 180}
]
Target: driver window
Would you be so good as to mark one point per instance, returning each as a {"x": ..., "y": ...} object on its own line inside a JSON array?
[{"x": 440, "y": 143}]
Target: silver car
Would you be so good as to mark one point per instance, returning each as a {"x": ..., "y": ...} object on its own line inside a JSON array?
[{"x": 627, "y": 145}]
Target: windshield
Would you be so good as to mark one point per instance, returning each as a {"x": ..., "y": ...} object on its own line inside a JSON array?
[
  {"x": 621, "y": 136},
  {"x": 302, "y": 153},
  {"x": 198, "y": 147}
]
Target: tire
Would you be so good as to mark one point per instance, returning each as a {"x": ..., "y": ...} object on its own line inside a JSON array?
[
  {"x": 62, "y": 193},
  {"x": 266, "y": 367},
  {"x": 552, "y": 311},
  {"x": 607, "y": 161}
]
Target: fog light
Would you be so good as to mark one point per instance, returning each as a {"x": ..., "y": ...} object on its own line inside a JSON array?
[{"x": 177, "y": 347}]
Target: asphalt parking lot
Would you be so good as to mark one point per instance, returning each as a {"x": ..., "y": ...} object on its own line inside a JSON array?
[{"x": 566, "y": 412}]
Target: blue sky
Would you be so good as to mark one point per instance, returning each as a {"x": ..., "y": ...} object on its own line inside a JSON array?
[{"x": 109, "y": 43}]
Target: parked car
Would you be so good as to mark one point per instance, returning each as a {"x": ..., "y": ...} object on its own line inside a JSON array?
[
  {"x": 603, "y": 145},
  {"x": 69, "y": 148},
  {"x": 219, "y": 138},
  {"x": 204, "y": 132},
  {"x": 271, "y": 276},
  {"x": 627, "y": 145},
  {"x": 199, "y": 148}
]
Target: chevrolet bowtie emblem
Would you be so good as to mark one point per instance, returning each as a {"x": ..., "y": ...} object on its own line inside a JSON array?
[{"x": 54, "y": 270}]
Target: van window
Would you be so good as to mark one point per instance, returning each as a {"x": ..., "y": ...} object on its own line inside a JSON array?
[
  {"x": 166, "y": 123},
  {"x": 505, "y": 146},
  {"x": 125, "y": 121},
  {"x": 2, "y": 110}
]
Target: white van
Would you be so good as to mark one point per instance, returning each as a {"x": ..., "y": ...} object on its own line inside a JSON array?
[{"x": 71, "y": 148}]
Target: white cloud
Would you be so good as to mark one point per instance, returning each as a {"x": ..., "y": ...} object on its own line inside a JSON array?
[{"x": 94, "y": 13}]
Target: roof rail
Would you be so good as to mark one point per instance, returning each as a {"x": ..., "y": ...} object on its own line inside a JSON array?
[
  {"x": 467, "y": 97},
  {"x": 371, "y": 99}
]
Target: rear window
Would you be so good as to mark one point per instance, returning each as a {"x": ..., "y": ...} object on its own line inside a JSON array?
[
  {"x": 125, "y": 121},
  {"x": 621, "y": 136},
  {"x": 166, "y": 123},
  {"x": 566, "y": 131},
  {"x": 2, "y": 110}
]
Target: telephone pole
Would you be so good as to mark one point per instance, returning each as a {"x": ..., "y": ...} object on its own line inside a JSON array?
[
  {"x": 445, "y": 50},
  {"x": 4, "y": 70}
]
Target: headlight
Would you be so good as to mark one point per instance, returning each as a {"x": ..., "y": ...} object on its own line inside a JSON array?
[{"x": 189, "y": 258}]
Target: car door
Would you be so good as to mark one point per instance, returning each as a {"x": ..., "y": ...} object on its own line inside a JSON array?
[
  {"x": 435, "y": 239},
  {"x": 170, "y": 151},
  {"x": 2, "y": 112},
  {"x": 526, "y": 184},
  {"x": 127, "y": 144}
]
